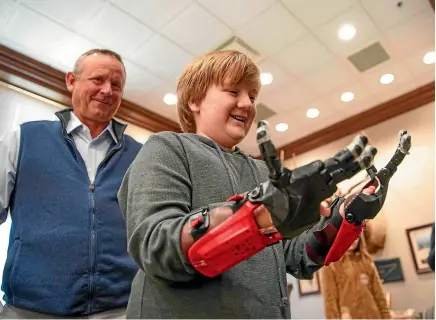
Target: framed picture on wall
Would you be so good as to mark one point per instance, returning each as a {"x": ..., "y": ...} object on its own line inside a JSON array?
[
  {"x": 419, "y": 242},
  {"x": 390, "y": 270},
  {"x": 309, "y": 287},
  {"x": 290, "y": 287}
]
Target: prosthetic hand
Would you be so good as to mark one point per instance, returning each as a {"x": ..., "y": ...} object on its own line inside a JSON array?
[
  {"x": 358, "y": 208},
  {"x": 291, "y": 197}
]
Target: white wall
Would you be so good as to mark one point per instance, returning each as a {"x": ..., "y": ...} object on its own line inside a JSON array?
[
  {"x": 139, "y": 134},
  {"x": 410, "y": 202},
  {"x": 16, "y": 107},
  {"x": 307, "y": 307}
]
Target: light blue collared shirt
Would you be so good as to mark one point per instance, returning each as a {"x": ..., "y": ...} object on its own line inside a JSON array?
[{"x": 94, "y": 150}]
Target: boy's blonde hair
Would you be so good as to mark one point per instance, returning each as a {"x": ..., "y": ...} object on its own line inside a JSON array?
[{"x": 212, "y": 68}]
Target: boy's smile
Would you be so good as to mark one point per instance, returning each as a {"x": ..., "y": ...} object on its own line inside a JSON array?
[{"x": 238, "y": 118}]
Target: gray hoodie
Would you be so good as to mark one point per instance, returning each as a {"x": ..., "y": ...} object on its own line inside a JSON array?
[{"x": 173, "y": 175}]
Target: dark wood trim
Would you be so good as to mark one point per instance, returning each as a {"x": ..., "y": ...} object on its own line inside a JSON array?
[
  {"x": 431, "y": 3},
  {"x": 354, "y": 124},
  {"x": 14, "y": 63},
  {"x": 17, "y": 67},
  {"x": 144, "y": 118}
]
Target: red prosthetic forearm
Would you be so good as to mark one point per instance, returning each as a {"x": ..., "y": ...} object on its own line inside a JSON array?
[
  {"x": 347, "y": 234},
  {"x": 231, "y": 242}
]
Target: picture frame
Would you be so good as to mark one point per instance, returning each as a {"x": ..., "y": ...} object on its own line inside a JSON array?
[
  {"x": 389, "y": 270},
  {"x": 309, "y": 287},
  {"x": 419, "y": 243},
  {"x": 290, "y": 287}
]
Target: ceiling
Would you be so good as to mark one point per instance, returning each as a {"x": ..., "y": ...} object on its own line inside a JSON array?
[{"x": 294, "y": 40}]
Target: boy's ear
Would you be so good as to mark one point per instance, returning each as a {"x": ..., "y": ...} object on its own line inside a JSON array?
[{"x": 195, "y": 108}]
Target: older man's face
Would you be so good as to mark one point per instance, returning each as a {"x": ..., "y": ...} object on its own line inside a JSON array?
[{"x": 97, "y": 89}]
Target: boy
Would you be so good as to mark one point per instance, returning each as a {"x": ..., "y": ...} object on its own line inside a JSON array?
[{"x": 175, "y": 174}]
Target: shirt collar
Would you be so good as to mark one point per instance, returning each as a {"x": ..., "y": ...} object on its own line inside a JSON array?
[{"x": 74, "y": 123}]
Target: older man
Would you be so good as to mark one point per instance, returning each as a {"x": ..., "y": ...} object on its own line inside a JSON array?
[{"x": 59, "y": 179}]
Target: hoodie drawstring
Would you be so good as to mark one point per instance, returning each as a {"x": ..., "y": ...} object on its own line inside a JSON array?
[{"x": 233, "y": 182}]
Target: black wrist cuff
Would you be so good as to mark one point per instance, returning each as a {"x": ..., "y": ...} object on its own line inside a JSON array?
[
  {"x": 323, "y": 234},
  {"x": 198, "y": 223}
]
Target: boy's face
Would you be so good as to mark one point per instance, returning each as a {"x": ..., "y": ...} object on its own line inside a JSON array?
[{"x": 226, "y": 113}]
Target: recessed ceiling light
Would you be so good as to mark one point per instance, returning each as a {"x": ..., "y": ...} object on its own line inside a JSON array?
[
  {"x": 281, "y": 127},
  {"x": 312, "y": 113},
  {"x": 266, "y": 78},
  {"x": 387, "y": 78},
  {"x": 347, "y": 96},
  {"x": 429, "y": 58},
  {"x": 346, "y": 32},
  {"x": 170, "y": 99}
]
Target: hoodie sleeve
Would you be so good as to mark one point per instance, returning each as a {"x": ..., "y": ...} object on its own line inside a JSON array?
[
  {"x": 298, "y": 262},
  {"x": 379, "y": 294},
  {"x": 155, "y": 198},
  {"x": 330, "y": 294}
]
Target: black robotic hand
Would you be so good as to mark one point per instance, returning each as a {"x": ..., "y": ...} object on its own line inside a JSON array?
[
  {"x": 363, "y": 206},
  {"x": 358, "y": 207},
  {"x": 293, "y": 197}
]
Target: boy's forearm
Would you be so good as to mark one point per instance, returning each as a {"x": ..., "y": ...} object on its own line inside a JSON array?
[
  {"x": 155, "y": 247},
  {"x": 219, "y": 212}
]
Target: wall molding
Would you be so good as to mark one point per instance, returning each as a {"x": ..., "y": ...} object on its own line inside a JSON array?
[
  {"x": 39, "y": 78},
  {"x": 382, "y": 112}
]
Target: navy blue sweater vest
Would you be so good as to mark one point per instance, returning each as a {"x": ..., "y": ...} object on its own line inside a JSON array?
[{"x": 68, "y": 247}]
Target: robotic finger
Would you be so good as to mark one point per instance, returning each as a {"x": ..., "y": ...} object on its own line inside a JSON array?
[
  {"x": 347, "y": 155},
  {"x": 268, "y": 151},
  {"x": 346, "y": 170}
]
